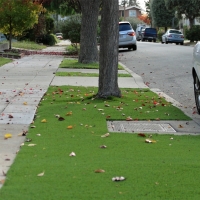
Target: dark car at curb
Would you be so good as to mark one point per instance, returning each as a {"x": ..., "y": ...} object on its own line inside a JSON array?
[
  {"x": 127, "y": 36},
  {"x": 149, "y": 34}
]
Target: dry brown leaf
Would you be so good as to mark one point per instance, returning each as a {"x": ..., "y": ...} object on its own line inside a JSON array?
[
  {"x": 2, "y": 181},
  {"x": 61, "y": 119},
  {"x": 70, "y": 127},
  {"x": 25, "y": 103},
  {"x": 180, "y": 126},
  {"x": 150, "y": 141},
  {"x": 141, "y": 135},
  {"x": 99, "y": 171}
]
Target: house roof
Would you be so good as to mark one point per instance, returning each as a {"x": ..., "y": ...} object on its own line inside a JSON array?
[{"x": 128, "y": 8}]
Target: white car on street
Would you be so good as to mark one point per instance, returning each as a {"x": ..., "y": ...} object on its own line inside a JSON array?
[{"x": 196, "y": 74}]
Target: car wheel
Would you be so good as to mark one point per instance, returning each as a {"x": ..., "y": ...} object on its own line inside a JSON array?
[
  {"x": 166, "y": 42},
  {"x": 181, "y": 43},
  {"x": 134, "y": 47},
  {"x": 197, "y": 92},
  {"x": 154, "y": 40},
  {"x": 176, "y": 43}
]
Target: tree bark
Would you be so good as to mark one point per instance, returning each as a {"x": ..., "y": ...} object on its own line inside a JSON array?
[
  {"x": 108, "y": 69},
  {"x": 88, "y": 41}
]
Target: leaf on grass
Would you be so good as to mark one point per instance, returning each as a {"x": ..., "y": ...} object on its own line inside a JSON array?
[
  {"x": 69, "y": 113},
  {"x": 61, "y": 119},
  {"x": 28, "y": 140},
  {"x": 31, "y": 145},
  {"x": 41, "y": 174},
  {"x": 7, "y": 135},
  {"x": 70, "y": 127},
  {"x": 72, "y": 154},
  {"x": 118, "y": 178},
  {"x": 129, "y": 119},
  {"x": 44, "y": 121},
  {"x": 99, "y": 171},
  {"x": 2, "y": 181},
  {"x": 141, "y": 135},
  {"x": 150, "y": 141},
  {"x": 38, "y": 134},
  {"x": 108, "y": 116},
  {"x": 33, "y": 126},
  {"x": 103, "y": 146},
  {"x": 106, "y": 135}
]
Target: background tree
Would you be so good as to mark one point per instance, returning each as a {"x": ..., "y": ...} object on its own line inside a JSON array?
[
  {"x": 148, "y": 11},
  {"x": 108, "y": 70},
  {"x": 191, "y": 8},
  {"x": 133, "y": 3},
  {"x": 162, "y": 17},
  {"x": 145, "y": 19},
  {"x": 17, "y": 16}
]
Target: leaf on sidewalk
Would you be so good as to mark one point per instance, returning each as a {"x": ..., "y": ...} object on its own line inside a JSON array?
[{"x": 7, "y": 135}]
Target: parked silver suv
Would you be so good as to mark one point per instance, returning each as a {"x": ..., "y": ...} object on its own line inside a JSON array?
[
  {"x": 196, "y": 74},
  {"x": 127, "y": 36}
]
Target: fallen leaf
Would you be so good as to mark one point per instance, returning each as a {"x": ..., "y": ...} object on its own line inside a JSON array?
[
  {"x": 4, "y": 174},
  {"x": 141, "y": 135},
  {"x": 150, "y": 141},
  {"x": 33, "y": 126},
  {"x": 10, "y": 116},
  {"x": 2, "y": 181},
  {"x": 70, "y": 127},
  {"x": 69, "y": 113},
  {"x": 28, "y": 140},
  {"x": 7, "y": 135},
  {"x": 106, "y": 135},
  {"x": 25, "y": 103},
  {"x": 99, "y": 171},
  {"x": 61, "y": 119},
  {"x": 103, "y": 146},
  {"x": 31, "y": 145},
  {"x": 180, "y": 126},
  {"x": 72, "y": 154},
  {"x": 118, "y": 178},
  {"x": 129, "y": 119},
  {"x": 44, "y": 121},
  {"x": 41, "y": 174},
  {"x": 38, "y": 134}
]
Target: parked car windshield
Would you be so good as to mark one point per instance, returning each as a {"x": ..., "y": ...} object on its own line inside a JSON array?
[
  {"x": 175, "y": 31},
  {"x": 124, "y": 27}
]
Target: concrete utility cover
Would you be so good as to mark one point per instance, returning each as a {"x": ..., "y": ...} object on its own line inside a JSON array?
[{"x": 130, "y": 127}]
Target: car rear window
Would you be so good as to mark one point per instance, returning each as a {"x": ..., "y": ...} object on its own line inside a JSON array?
[
  {"x": 124, "y": 27},
  {"x": 150, "y": 30},
  {"x": 175, "y": 31}
]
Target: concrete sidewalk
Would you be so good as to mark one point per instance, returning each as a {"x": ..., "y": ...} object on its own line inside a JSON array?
[{"x": 22, "y": 85}]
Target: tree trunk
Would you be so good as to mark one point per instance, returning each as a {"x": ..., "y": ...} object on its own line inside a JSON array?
[
  {"x": 108, "y": 69},
  {"x": 88, "y": 41}
]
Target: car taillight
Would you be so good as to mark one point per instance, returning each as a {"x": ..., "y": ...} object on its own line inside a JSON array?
[
  {"x": 131, "y": 33},
  {"x": 182, "y": 36},
  {"x": 169, "y": 35}
]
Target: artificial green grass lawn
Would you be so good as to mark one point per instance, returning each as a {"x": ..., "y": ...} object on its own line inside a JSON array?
[
  {"x": 167, "y": 169},
  {"x": 73, "y": 63},
  {"x": 86, "y": 74},
  {"x": 4, "y": 61}
]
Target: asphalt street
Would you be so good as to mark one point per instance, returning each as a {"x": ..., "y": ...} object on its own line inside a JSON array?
[{"x": 167, "y": 68}]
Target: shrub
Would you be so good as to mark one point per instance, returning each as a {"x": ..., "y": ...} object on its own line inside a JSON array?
[
  {"x": 71, "y": 28},
  {"x": 48, "y": 39},
  {"x": 192, "y": 34},
  {"x": 160, "y": 33},
  {"x": 73, "y": 49}
]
